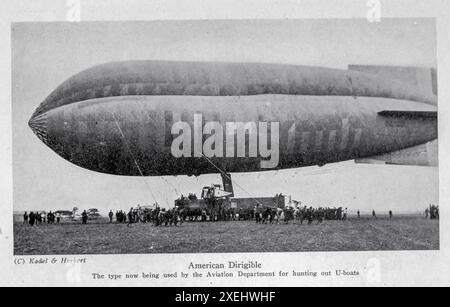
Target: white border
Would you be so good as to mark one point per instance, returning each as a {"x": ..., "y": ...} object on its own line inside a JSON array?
[{"x": 377, "y": 268}]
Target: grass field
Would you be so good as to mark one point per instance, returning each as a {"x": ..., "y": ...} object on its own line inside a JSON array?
[{"x": 401, "y": 233}]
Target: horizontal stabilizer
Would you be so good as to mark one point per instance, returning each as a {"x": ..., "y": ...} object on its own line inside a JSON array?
[
  {"x": 421, "y": 155},
  {"x": 409, "y": 114}
]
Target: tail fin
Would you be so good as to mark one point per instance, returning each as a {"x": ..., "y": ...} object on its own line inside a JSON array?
[{"x": 227, "y": 184}]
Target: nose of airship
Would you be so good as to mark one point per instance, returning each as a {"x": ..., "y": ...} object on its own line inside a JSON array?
[{"x": 38, "y": 125}]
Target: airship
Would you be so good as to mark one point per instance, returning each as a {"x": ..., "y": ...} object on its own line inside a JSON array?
[{"x": 168, "y": 118}]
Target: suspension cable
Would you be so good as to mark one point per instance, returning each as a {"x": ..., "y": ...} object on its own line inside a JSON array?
[{"x": 229, "y": 178}]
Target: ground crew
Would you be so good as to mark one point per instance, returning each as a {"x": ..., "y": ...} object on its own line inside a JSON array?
[
  {"x": 32, "y": 218},
  {"x": 84, "y": 217}
]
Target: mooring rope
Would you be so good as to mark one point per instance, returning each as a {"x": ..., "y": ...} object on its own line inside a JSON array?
[{"x": 133, "y": 157}]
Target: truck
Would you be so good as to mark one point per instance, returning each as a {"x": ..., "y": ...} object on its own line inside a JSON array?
[{"x": 218, "y": 203}]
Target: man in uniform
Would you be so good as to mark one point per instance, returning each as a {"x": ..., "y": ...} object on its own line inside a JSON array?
[
  {"x": 203, "y": 215},
  {"x": 111, "y": 214},
  {"x": 32, "y": 218},
  {"x": 84, "y": 217},
  {"x": 130, "y": 217}
]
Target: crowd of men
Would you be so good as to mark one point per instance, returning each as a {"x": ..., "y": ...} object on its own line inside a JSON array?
[
  {"x": 157, "y": 216},
  {"x": 121, "y": 216},
  {"x": 264, "y": 215},
  {"x": 38, "y": 218},
  {"x": 432, "y": 212},
  {"x": 35, "y": 218},
  {"x": 259, "y": 213}
]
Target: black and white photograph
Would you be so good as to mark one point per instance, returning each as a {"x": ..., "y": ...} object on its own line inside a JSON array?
[
  {"x": 225, "y": 136},
  {"x": 225, "y": 149}
]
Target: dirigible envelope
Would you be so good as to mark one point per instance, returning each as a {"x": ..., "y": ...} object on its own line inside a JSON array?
[{"x": 118, "y": 118}]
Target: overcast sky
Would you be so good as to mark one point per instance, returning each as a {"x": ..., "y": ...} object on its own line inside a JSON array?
[{"x": 46, "y": 54}]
